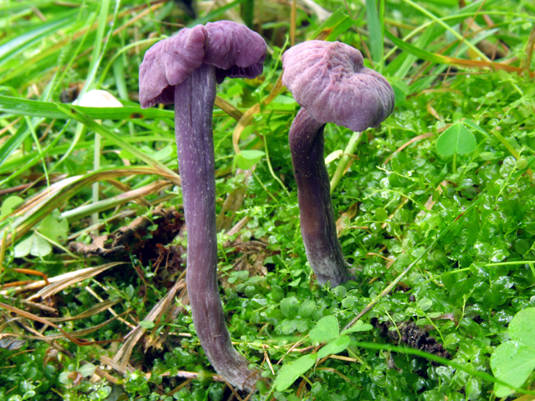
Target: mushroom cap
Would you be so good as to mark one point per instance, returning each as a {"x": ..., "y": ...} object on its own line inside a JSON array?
[
  {"x": 330, "y": 81},
  {"x": 233, "y": 49}
]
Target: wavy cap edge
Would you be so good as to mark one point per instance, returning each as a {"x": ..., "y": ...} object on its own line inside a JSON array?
[
  {"x": 234, "y": 49},
  {"x": 329, "y": 79}
]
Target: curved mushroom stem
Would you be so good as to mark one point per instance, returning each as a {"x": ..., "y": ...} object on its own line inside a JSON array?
[
  {"x": 194, "y": 101},
  {"x": 316, "y": 213}
]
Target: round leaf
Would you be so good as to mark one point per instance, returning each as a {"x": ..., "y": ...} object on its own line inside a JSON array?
[
  {"x": 54, "y": 227},
  {"x": 457, "y": 139},
  {"x": 522, "y": 328},
  {"x": 147, "y": 324},
  {"x": 87, "y": 370},
  {"x": 291, "y": 371},
  {"x": 511, "y": 362},
  {"x": 248, "y": 158},
  {"x": 289, "y": 306},
  {"x": 9, "y": 204},
  {"x": 33, "y": 245},
  {"x": 325, "y": 330},
  {"x": 336, "y": 346}
]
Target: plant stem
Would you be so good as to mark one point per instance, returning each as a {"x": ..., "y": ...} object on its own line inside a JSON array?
[
  {"x": 96, "y": 166},
  {"x": 194, "y": 101},
  {"x": 270, "y": 167},
  {"x": 316, "y": 213},
  {"x": 344, "y": 161}
]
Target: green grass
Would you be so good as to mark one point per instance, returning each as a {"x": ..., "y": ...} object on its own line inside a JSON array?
[{"x": 435, "y": 208}]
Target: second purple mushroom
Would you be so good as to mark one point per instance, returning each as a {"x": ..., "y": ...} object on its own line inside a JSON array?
[
  {"x": 183, "y": 70},
  {"x": 330, "y": 82}
]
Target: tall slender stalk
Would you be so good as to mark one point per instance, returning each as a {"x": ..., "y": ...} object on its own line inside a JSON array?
[
  {"x": 194, "y": 101},
  {"x": 318, "y": 226}
]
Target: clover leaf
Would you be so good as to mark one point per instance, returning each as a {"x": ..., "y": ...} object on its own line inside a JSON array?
[{"x": 514, "y": 360}]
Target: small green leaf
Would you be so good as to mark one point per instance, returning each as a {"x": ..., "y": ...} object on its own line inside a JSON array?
[
  {"x": 289, "y": 373},
  {"x": 87, "y": 370},
  {"x": 40, "y": 247},
  {"x": 54, "y": 227},
  {"x": 289, "y": 306},
  {"x": 522, "y": 328},
  {"x": 457, "y": 139},
  {"x": 511, "y": 362},
  {"x": 358, "y": 327},
  {"x": 307, "y": 308},
  {"x": 277, "y": 293},
  {"x": 64, "y": 378},
  {"x": 247, "y": 158},
  {"x": 146, "y": 324},
  {"x": 424, "y": 304},
  {"x": 9, "y": 204},
  {"x": 24, "y": 247},
  {"x": 325, "y": 330},
  {"x": 238, "y": 276},
  {"x": 336, "y": 346},
  {"x": 288, "y": 326},
  {"x": 33, "y": 245}
]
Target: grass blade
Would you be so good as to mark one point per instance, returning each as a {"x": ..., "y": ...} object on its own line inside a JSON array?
[
  {"x": 35, "y": 108},
  {"x": 17, "y": 45},
  {"x": 375, "y": 30}
]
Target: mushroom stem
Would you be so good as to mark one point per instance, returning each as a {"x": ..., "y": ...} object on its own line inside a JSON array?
[
  {"x": 194, "y": 101},
  {"x": 317, "y": 217}
]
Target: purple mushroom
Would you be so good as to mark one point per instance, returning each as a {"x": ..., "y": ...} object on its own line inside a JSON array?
[
  {"x": 183, "y": 70},
  {"x": 330, "y": 82}
]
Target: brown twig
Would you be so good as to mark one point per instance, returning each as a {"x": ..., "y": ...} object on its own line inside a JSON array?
[
  {"x": 47, "y": 322},
  {"x": 529, "y": 56},
  {"x": 408, "y": 143}
]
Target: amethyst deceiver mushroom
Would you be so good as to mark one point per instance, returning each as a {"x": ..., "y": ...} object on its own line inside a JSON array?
[
  {"x": 183, "y": 70},
  {"x": 330, "y": 82}
]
